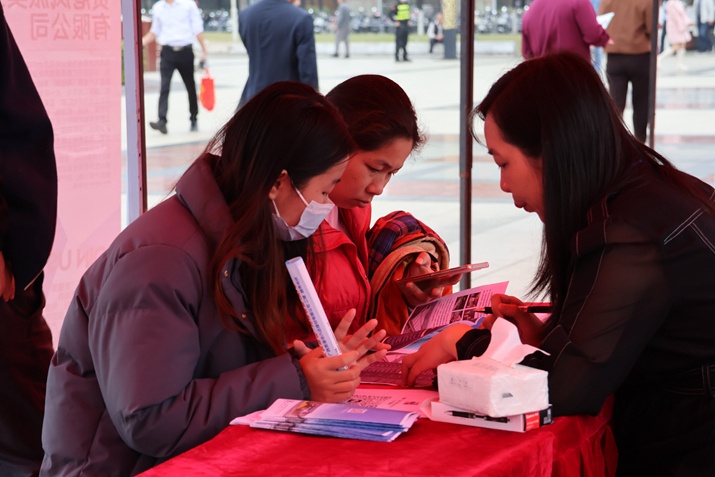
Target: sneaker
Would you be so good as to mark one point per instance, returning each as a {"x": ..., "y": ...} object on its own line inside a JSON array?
[
  {"x": 194, "y": 126},
  {"x": 347, "y": 56},
  {"x": 335, "y": 55},
  {"x": 158, "y": 126}
]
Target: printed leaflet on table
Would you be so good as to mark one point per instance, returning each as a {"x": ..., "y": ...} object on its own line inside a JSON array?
[{"x": 329, "y": 419}]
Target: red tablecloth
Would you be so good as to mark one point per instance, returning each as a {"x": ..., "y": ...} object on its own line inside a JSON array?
[{"x": 571, "y": 446}]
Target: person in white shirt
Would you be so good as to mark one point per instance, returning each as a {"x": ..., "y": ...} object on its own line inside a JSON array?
[
  {"x": 175, "y": 25},
  {"x": 342, "y": 27},
  {"x": 435, "y": 32}
]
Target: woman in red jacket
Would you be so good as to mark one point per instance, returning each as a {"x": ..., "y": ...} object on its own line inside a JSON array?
[{"x": 345, "y": 266}]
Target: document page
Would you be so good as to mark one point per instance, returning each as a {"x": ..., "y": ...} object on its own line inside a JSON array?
[
  {"x": 460, "y": 306},
  {"x": 424, "y": 322}
]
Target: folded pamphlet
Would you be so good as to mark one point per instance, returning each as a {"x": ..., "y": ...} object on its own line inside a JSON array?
[
  {"x": 425, "y": 322},
  {"x": 330, "y": 419},
  {"x": 465, "y": 305}
]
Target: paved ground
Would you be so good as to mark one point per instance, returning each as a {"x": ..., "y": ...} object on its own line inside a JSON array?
[{"x": 428, "y": 186}]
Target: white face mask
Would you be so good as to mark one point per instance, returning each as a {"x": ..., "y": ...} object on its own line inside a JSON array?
[{"x": 310, "y": 220}]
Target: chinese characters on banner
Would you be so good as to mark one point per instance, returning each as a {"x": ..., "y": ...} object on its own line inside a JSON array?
[{"x": 73, "y": 50}]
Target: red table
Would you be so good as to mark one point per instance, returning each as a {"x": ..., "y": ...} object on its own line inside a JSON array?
[{"x": 571, "y": 446}]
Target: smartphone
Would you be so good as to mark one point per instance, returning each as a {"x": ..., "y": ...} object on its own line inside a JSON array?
[{"x": 442, "y": 278}]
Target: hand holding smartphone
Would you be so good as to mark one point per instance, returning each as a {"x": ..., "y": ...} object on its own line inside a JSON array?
[{"x": 442, "y": 278}]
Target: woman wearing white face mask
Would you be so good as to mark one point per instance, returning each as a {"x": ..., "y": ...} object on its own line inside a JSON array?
[
  {"x": 180, "y": 325},
  {"x": 309, "y": 222}
]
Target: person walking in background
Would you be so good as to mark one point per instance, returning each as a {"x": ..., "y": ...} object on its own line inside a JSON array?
[
  {"x": 628, "y": 60},
  {"x": 663, "y": 25},
  {"x": 342, "y": 27},
  {"x": 550, "y": 26},
  {"x": 280, "y": 43},
  {"x": 597, "y": 51},
  {"x": 678, "y": 32},
  {"x": 174, "y": 25},
  {"x": 435, "y": 31},
  {"x": 28, "y": 215},
  {"x": 400, "y": 15},
  {"x": 704, "y": 19}
]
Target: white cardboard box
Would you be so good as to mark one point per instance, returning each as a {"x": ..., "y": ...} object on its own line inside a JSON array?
[{"x": 517, "y": 423}]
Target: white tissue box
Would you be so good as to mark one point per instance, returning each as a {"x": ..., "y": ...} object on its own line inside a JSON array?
[{"x": 488, "y": 387}]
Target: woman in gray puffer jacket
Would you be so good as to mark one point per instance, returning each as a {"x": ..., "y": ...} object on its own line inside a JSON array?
[{"x": 179, "y": 326}]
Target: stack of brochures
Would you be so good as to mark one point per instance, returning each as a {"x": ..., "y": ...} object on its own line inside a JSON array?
[{"x": 328, "y": 419}]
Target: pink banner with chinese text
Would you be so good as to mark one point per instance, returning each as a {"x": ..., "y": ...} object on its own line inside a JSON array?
[{"x": 73, "y": 51}]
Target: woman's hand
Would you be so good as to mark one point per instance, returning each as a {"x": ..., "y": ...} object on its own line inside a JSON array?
[
  {"x": 369, "y": 349},
  {"x": 413, "y": 294},
  {"x": 360, "y": 341},
  {"x": 531, "y": 328},
  {"x": 326, "y": 381},
  {"x": 440, "y": 349}
]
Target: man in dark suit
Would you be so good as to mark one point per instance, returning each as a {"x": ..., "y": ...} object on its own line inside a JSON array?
[
  {"x": 28, "y": 213},
  {"x": 280, "y": 43}
]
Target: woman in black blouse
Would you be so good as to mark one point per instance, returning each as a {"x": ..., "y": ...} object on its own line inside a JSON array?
[{"x": 628, "y": 261}]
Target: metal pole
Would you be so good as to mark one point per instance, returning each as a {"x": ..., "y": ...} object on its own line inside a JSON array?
[
  {"x": 653, "y": 74},
  {"x": 380, "y": 12},
  {"x": 465, "y": 138},
  {"x": 234, "y": 21},
  {"x": 450, "y": 12},
  {"x": 134, "y": 97}
]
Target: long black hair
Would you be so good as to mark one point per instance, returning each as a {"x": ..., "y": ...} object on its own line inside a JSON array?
[
  {"x": 377, "y": 111},
  {"x": 287, "y": 126},
  {"x": 556, "y": 110}
]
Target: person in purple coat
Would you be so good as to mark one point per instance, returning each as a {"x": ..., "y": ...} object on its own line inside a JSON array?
[{"x": 550, "y": 26}]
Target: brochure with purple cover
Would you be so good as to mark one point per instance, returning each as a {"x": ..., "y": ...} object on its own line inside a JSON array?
[{"x": 424, "y": 322}]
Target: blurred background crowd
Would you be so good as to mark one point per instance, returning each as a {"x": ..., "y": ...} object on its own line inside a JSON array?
[{"x": 372, "y": 16}]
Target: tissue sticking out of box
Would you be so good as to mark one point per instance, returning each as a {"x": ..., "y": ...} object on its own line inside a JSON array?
[{"x": 493, "y": 384}]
